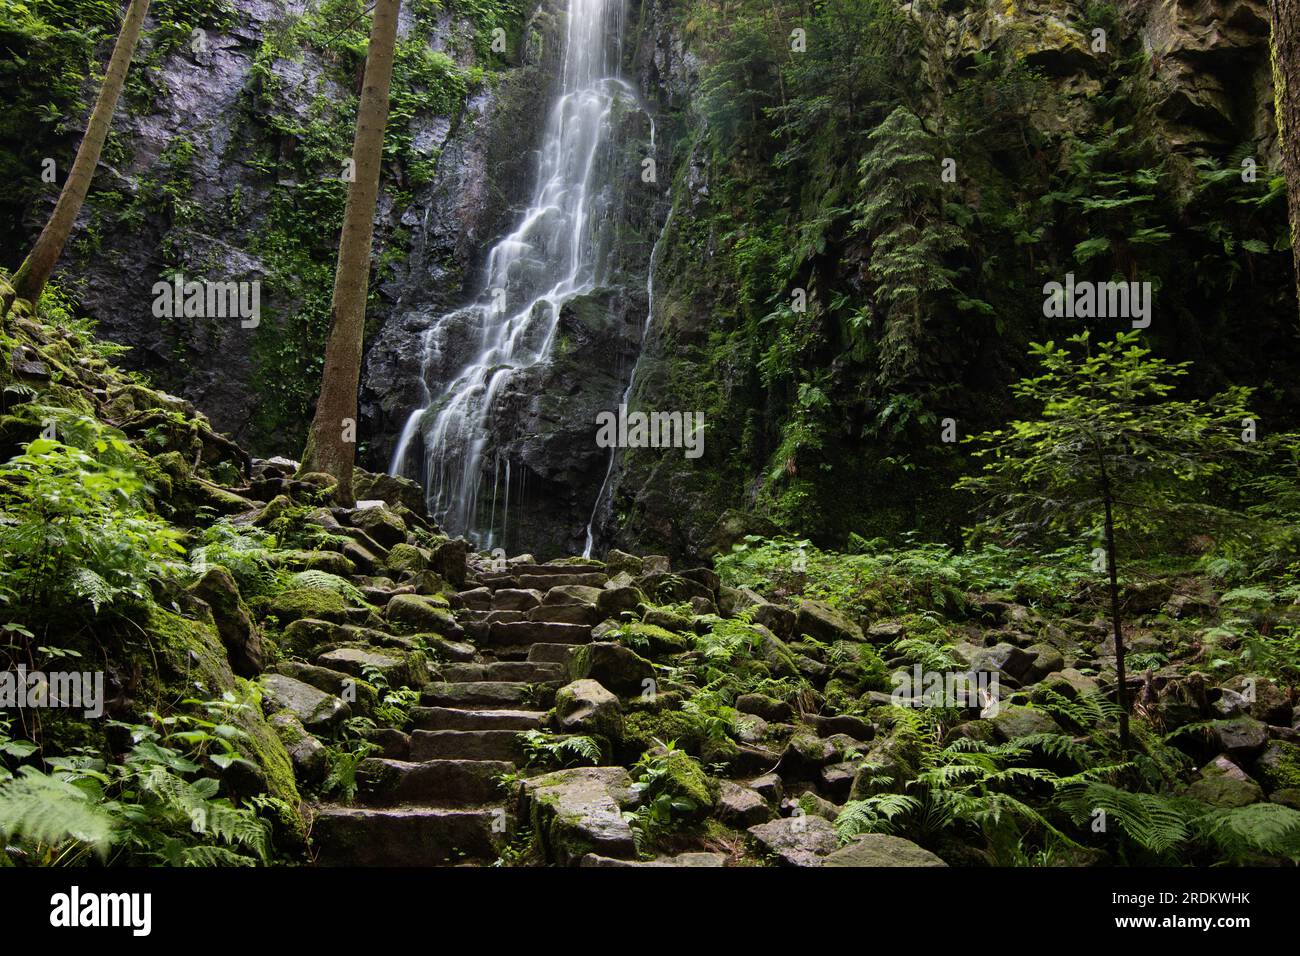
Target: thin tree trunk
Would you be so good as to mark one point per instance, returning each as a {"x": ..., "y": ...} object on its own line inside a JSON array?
[
  {"x": 1121, "y": 672},
  {"x": 331, "y": 444},
  {"x": 29, "y": 281},
  {"x": 1286, "y": 83}
]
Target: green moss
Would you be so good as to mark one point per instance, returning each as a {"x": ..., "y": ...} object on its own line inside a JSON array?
[
  {"x": 657, "y": 640},
  {"x": 642, "y": 728},
  {"x": 1283, "y": 770},
  {"x": 188, "y": 660},
  {"x": 263, "y": 745},
  {"x": 689, "y": 780},
  {"x": 404, "y": 557},
  {"x": 299, "y": 603}
]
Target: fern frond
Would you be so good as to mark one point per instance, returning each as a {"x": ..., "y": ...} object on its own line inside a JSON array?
[{"x": 44, "y": 810}]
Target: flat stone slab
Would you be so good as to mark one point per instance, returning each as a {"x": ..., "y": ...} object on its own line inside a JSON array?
[
  {"x": 539, "y": 632},
  {"x": 456, "y": 694},
  {"x": 454, "y": 718},
  {"x": 797, "y": 841},
  {"x": 881, "y": 849},
  {"x": 312, "y": 706},
  {"x": 418, "y": 836},
  {"x": 465, "y": 745},
  {"x": 384, "y": 782},
  {"x": 580, "y": 811},
  {"x": 681, "y": 860}
]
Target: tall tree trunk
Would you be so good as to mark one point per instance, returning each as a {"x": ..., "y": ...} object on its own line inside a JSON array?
[
  {"x": 29, "y": 281},
  {"x": 331, "y": 444},
  {"x": 1286, "y": 82}
]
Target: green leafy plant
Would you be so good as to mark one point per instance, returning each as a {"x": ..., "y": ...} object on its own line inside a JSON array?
[
  {"x": 546, "y": 749},
  {"x": 74, "y": 535}
]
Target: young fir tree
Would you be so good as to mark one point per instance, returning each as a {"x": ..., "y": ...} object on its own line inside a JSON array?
[
  {"x": 1111, "y": 451},
  {"x": 30, "y": 279},
  {"x": 901, "y": 213},
  {"x": 331, "y": 443}
]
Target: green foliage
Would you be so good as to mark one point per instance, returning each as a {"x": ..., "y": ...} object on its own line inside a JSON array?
[
  {"x": 245, "y": 552},
  {"x": 158, "y": 805},
  {"x": 546, "y": 749},
  {"x": 910, "y": 240},
  {"x": 893, "y": 581},
  {"x": 324, "y": 581},
  {"x": 1109, "y": 431},
  {"x": 667, "y": 796},
  {"x": 74, "y": 535},
  {"x": 1171, "y": 828}
]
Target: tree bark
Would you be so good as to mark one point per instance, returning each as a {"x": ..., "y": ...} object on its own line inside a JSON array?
[
  {"x": 29, "y": 281},
  {"x": 1286, "y": 83},
  {"x": 331, "y": 443},
  {"x": 1121, "y": 674}
]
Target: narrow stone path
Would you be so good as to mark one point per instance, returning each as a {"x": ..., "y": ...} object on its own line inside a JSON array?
[{"x": 432, "y": 798}]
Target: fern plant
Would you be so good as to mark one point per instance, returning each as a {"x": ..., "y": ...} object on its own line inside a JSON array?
[
  {"x": 546, "y": 749},
  {"x": 74, "y": 535},
  {"x": 157, "y": 806},
  {"x": 325, "y": 581}
]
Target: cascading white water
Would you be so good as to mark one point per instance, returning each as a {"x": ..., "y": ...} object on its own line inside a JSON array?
[{"x": 553, "y": 255}]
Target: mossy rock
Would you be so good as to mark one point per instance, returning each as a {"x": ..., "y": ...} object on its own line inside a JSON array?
[
  {"x": 422, "y": 612},
  {"x": 297, "y": 603},
  {"x": 687, "y": 778},
  {"x": 641, "y": 730},
  {"x": 404, "y": 557},
  {"x": 329, "y": 561},
  {"x": 305, "y": 635},
  {"x": 657, "y": 640},
  {"x": 1279, "y": 765},
  {"x": 186, "y": 658}
]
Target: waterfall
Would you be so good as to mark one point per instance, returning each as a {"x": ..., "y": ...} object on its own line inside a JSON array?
[{"x": 553, "y": 255}]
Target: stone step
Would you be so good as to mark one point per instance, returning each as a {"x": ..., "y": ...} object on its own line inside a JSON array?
[
  {"x": 539, "y": 632},
  {"x": 469, "y": 693},
  {"x": 452, "y": 718},
  {"x": 515, "y": 599},
  {"x": 587, "y": 567},
  {"x": 405, "y": 836},
  {"x": 549, "y": 653},
  {"x": 526, "y": 671},
  {"x": 465, "y": 745},
  {"x": 544, "y": 581},
  {"x": 436, "y": 782},
  {"x": 565, "y": 614}
]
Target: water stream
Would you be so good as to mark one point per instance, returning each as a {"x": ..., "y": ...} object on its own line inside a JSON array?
[{"x": 558, "y": 250}]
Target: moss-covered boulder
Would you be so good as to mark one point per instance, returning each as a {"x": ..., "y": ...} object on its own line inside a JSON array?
[
  {"x": 308, "y": 755},
  {"x": 298, "y": 603},
  {"x": 318, "y": 710},
  {"x": 686, "y": 778},
  {"x": 422, "y": 612},
  {"x": 823, "y": 622},
  {"x": 619, "y": 668},
  {"x": 579, "y": 811},
  {"x": 186, "y": 658},
  {"x": 1279, "y": 765},
  {"x": 1224, "y": 784},
  {"x": 403, "y": 557},
  {"x": 234, "y": 621},
  {"x": 380, "y": 523},
  {"x": 585, "y": 707}
]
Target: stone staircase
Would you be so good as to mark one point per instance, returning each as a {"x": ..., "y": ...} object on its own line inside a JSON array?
[{"x": 432, "y": 797}]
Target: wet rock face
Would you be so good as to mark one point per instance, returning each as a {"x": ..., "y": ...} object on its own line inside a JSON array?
[{"x": 189, "y": 190}]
